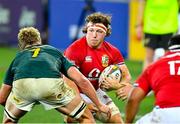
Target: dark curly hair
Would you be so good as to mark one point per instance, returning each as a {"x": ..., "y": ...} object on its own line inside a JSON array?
[
  {"x": 174, "y": 42},
  {"x": 99, "y": 17}
]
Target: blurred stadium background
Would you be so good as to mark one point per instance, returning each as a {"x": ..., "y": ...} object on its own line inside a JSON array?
[{"x": 60, "y": 22}]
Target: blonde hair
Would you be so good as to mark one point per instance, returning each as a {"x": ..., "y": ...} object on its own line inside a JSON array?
[
  {"x": 28, "y": 36},
  {"x": 99, "y": 17}
]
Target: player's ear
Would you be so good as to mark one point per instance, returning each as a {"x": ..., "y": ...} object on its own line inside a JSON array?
[
  {"x": 108, "y": 31},
  {"x": 84, "y": 30}
]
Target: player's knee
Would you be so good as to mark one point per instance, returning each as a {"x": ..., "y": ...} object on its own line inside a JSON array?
[
  {"x": 9, "y": 117},
  {"x": 115, "y": 115},
  {"x": 117, "y": 118},
  {"x": 87, "y": 117},
  {"x": 8, "y": 120},
  {"x": 78, "y": 111}
]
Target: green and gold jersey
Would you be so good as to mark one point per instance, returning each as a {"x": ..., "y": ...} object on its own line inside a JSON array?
[
  {"x": 42, "y": 61},
  {"x": 161, "y": 16}
]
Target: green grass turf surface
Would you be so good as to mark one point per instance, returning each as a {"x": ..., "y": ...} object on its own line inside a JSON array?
[{"x": 39, "y": 115}]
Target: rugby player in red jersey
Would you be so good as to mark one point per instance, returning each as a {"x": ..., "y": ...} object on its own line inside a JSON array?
[
  {"x": 163, "y": 78},
  {"x": 92, "y": 54}
]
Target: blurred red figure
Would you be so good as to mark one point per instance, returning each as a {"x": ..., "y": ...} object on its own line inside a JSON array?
[{"x": 163, "y": 78}]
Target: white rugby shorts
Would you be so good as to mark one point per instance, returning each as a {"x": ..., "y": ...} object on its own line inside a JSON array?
[
  {"x": 161, "y": 116},
  {"x": 50, "y": 92},
  {"x": 104, "y": 98}
]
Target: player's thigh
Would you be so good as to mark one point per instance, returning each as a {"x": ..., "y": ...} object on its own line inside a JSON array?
[
  {"x": 149, "y": 54},
  {"x": 151, "y": 41},
  {"x": 115, "y": 113},
  {"x": 12, "y": 113}
]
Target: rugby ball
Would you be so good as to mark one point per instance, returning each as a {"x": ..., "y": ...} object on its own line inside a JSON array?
[{"x": 112, "y": 72}]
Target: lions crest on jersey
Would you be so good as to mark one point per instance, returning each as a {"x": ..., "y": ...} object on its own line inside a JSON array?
[{"x": 105, "y": 60}]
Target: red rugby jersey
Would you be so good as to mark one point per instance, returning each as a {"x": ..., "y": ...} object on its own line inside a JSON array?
[
  {"x": 163, "y": 77},
  {"x": 90, "y": 61}
]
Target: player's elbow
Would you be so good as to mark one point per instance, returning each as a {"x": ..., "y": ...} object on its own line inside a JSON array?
[
  {"x": 132, "y": 99},
  {"x": 4, "y": 93},
  {"x": 2, "y": 101},
  {"x": 136, "y": 96},
  {"x": 128, "y": 77}
]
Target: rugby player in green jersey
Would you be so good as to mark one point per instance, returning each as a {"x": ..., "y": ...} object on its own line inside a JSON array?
[{"x": 35, "y": 76}]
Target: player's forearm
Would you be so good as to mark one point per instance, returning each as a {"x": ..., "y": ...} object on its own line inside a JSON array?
[
  {"x": 141, "y": 6},
  {"x": 131, "y": 110},
  {"x": 2, "y": 98},
  {"x": 89, "y": 90},
  {"x": 84, "y": 84},
  {"x": 2, "y": 103},
  {"x": 4, "y": 93},
  {"x": 134, "y": 100},
  {"x": 126, "y": 76}
]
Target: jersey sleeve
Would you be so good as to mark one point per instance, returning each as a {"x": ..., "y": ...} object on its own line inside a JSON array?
[
  {"x": 74, "y": 55},
  {"x": 118, "y": 58},
  {"x": 9, "y": 77},
  {"x": 143, "y": 82},
  {"x": 66, "y": 64}
]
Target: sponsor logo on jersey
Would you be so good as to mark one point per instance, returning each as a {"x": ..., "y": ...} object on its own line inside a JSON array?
[
  {"x": 105, "y": 60},
  {"x": 88, "y": 59}
]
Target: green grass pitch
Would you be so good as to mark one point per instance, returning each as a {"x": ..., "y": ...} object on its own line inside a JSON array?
[{"x": 39, "y": 115}]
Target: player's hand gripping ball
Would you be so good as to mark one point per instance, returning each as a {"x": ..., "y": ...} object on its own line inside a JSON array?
[{"x": 113, "y": 72}]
